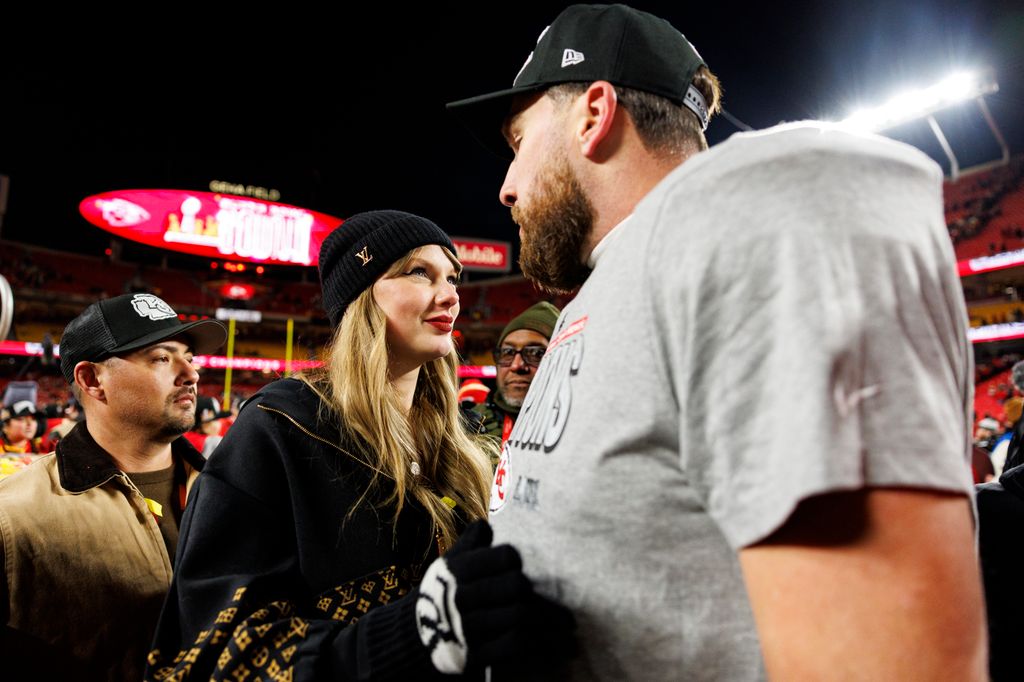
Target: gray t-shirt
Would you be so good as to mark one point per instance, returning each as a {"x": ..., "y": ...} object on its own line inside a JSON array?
[{"x": 780, "y": 318}]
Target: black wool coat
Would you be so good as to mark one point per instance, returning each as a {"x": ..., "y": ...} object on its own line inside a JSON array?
[{"x": 273, "y": 573}]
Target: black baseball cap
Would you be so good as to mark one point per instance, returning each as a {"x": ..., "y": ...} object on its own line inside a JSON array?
[
  {"x": 22, "y": 408},
  {"x": 208, "y": 410},
  {"x": 587, "y": 43},
  {"x": 126, "y": 323}
]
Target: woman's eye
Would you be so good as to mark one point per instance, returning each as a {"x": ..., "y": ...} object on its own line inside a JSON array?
[
  {"x": 455, "y": 280},
  {"x": 418, "y": 271}
]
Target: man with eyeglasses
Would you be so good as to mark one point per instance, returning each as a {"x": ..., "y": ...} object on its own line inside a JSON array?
[{"x": 520, "y": 348}]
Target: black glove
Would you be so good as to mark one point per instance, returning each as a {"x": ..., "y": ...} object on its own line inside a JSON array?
[{"x": 475, "y": 607}]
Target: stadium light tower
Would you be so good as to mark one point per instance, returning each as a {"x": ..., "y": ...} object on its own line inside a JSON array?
[{"x": 912, "y": 105}]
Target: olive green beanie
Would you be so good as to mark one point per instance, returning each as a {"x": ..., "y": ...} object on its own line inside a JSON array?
[{"x": 540, "y": 317}]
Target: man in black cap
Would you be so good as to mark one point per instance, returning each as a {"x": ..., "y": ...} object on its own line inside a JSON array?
[
  {"x": 205, "y": 435},
  {"x": 788, "y": 287},
  {"x": 88, "y": 533},
  {"x": 19, "y": 428}
]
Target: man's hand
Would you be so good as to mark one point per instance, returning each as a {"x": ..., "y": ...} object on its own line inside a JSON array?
[{"x": 475, "y": 607}]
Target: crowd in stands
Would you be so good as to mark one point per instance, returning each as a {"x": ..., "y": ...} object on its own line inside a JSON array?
[
  {"x": 38, "y": 271},
  {"x": 996, "y": 313},
  {"x": 51, "y": 389},
  {"x": 21, "y": 269},
  {"x": 488, "y": 303},
  {"x": 984, "y": 211},
  {"x": 998, "y": 407},
  {"x": 999, "y": 365}
]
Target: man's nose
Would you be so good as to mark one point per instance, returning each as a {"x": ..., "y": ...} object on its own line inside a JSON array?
[
  {"x": 518, "y": 363},
  {"x": 507, "y": 194},
  {"x": 189, "y": 374}
]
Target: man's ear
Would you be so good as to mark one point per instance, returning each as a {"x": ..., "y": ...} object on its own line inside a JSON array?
[
  {"x": 89, "y": 380},
  {"x": 597, "y": 109}
]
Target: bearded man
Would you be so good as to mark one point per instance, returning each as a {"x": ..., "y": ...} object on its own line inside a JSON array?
[
  {"x": 520, "y": 348},
  {"x": 704, "y": 469}
]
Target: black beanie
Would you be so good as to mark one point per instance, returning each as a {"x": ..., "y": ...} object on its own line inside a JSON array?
[{"x": 362, "y": 248}]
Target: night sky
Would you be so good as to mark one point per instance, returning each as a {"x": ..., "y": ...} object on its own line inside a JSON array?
[{"x": 347, "y": 114}]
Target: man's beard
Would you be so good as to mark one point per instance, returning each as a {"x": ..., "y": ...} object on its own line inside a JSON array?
[
  {"x": 555, "y": 226},
  {"x": 174, "y": 421}
]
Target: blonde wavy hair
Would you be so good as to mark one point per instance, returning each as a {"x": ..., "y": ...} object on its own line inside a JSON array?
[{"x": 354, "y": 384}]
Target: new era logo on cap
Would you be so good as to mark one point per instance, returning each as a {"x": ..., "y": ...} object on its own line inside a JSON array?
[
  {"x": 570, "y": 57},
  {"x": 615, "y": 43}
]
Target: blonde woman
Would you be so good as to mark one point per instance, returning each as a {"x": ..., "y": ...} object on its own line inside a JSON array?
[{"x": 311, "y": 546}]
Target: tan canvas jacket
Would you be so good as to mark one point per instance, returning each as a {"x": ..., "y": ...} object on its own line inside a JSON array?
[{"x": 85, "y": 565}]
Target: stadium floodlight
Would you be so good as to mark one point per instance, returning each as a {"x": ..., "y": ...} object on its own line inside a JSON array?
[
  {"x": 921, "y": 103},
  {"x": 912, "y": 105}
]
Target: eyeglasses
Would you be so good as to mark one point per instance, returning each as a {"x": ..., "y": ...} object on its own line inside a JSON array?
[{"x": 531, "y": 355}]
